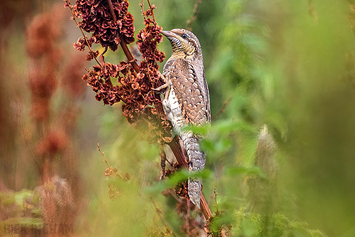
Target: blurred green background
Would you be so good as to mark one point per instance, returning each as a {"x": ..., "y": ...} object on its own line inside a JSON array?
[{"x": 287, "y": 64}]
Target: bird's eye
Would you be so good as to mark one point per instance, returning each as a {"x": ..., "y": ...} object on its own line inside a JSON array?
[{"x": 184, "y": 36}]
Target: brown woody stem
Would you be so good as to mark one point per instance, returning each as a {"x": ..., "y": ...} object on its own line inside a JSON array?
[
  {"x": 123, "y": 43},
  {"x": 174, "y": 145},
  {"x": 129, "y": 55},
  {"x": 180, "y": 157},
  {"x": 150, "y": 6},
  {"x": 193, "y": 16},
  {"x": 82, "y": 32},
  {"x": 162, "y": 162},
  {"x": 225, "y": 104}
]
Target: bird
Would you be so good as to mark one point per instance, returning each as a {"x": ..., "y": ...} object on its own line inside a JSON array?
[{"x": 187, "y": 100}]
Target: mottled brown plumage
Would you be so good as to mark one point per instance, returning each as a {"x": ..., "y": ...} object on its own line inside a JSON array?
[
  {"x": 187, "y": 99},
  {"x": 188, "y": 92}
]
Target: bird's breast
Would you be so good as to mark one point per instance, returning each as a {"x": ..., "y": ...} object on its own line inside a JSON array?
[{"x": 173, "y": 111}]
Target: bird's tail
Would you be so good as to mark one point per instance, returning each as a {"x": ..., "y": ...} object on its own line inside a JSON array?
[{"x": 197, "y": 160}]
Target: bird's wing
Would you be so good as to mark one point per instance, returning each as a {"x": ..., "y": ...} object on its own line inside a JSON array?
[{"x": 187, "y": 90}]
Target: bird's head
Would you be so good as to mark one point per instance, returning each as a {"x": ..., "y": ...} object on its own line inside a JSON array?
[{"x": 184, "y": 43}]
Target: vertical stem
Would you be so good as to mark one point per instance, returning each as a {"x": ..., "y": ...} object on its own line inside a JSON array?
[
  {"x": 162, "y": 162},
  {"x": 187, "y": 217},
  {"x": 3, "y": 187},
  {"x": 47, "y": 169},
  {"x": 129, "y": 55},
  {"x": 180, "y": 157},
  {"x": 205, "y": 208},
  {"x": 179, "y": 154},
  {"x": 123, "y": 43},
  {"x": 174, "y": 145},
  {"x": 150, "y": 6}
]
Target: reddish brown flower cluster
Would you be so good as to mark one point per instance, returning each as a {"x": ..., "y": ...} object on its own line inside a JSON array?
[
  {"x": 114, "y": 189},
  {"x": 99, "y": 78},
  {"x": 140, "y": 102},
  {"x": 41, "y": 38},
  {"x": 55, "y": 124},
  {"x": 147, "y": 41},
  {"x": 52, "y": 143},
  {"x": 142, "y": 106},
  {"x": 97, "y": 18},
  {"x": 73, "y": 71}
]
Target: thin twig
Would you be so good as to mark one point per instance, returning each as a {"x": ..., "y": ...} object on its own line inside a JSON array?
[
  {"x": 225, "y": 104},
  {"x": 103, "y": 155},
  {"x": 150, "y": 6},
  {"x": 160, "y": 216},
  {"x": 215, "y": 199},
  {"x": 174, "y": 195},
  {"x": 187, "y": 217},
  {"x": 142, "y": 9},
  {"x": 122, "y": 42},
  {"x": 193, "y": 16},
  {"x": 82, "y": 32},
  {"x": 162, "y": 162}
]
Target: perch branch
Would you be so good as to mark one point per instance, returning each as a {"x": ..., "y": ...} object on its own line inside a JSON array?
[
  {"x": 162, "y": 162},
  {"x": 180, "y": 157},
  {"x": 174, "y": 145}
]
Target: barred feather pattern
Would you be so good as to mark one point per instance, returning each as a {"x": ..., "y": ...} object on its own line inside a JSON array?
[
  {"x": 187, "y": 100},
  {"x": 197, "y": 158}
]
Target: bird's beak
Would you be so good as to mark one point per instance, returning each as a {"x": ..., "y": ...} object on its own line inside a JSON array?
[
  {"x": 175, "y": 40},
  {"x": 168, "y": 34}
]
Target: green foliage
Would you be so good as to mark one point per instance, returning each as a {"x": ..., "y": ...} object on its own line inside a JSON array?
[
  {"x": 242, "y": 170},
  {"x": 24, "y": 222},
  {"x": 20, "y": 210},
  {"x": 251, "y": 224}
]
